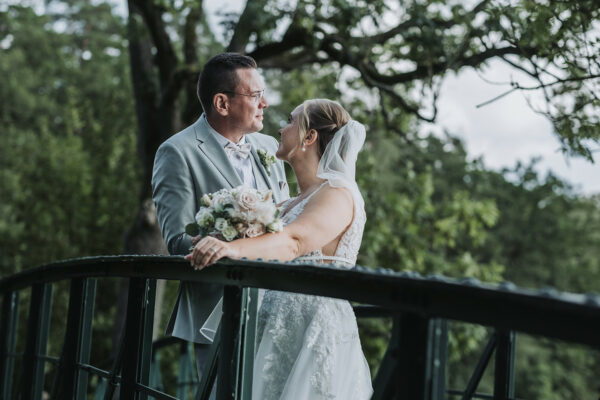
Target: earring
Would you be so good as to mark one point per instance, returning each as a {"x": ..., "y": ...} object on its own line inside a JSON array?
[{"x": 303, "y": 147}]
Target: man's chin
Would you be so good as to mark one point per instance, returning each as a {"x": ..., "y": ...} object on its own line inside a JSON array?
[{"x": 258, "y": 127}]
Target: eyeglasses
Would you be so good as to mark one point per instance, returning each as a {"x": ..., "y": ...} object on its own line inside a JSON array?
[{"x": 257, "y": 95}]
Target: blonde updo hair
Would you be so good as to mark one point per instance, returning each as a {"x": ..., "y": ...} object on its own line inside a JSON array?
[{"x": 323, "y": 115}]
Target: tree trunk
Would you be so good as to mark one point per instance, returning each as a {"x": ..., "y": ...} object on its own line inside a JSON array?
[{"x": 155, "y": 120}]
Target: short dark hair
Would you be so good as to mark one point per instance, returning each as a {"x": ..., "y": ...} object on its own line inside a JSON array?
[{"x": 219, "y": 75}]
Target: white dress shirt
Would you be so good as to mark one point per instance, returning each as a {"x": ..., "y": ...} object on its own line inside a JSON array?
[{"x": 242, "y": 167}]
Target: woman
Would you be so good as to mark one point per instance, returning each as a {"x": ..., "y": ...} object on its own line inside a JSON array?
[{"x": 308, "y": 346}]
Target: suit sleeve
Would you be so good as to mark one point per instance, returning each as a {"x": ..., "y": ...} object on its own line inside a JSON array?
[{"x": 173, "y": 195}]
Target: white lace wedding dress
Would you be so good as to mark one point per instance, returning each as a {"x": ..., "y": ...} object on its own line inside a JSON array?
[{"x": 308, "y": 346}]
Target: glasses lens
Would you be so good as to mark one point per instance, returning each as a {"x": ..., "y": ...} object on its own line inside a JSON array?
[{"x": 259, "y": 96}]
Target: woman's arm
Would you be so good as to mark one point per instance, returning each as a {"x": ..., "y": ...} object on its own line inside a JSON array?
[{"x": 328, "y": 213}]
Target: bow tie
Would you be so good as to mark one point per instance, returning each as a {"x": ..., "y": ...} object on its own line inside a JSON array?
[{"x": 240, "y": 151}]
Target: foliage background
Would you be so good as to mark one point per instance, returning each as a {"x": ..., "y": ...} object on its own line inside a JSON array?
[{"x": 70, "y": 168}]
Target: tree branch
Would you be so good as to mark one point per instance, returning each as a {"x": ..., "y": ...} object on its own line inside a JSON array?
[
  {"x": 166, "y": 59},
  {"x": 245, "y": 26},
  {"x": 293, "y": 38}
]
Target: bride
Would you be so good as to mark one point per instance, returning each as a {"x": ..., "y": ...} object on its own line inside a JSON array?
[{"x": 308, "y": 346}]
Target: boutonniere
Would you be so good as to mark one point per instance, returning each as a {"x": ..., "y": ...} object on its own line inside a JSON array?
[{"x": 266, "y": 159}]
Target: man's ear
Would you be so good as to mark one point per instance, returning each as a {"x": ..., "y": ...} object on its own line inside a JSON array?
[
  {"x": 221, "y": 104},
  {"x": 311, "y": 137}
]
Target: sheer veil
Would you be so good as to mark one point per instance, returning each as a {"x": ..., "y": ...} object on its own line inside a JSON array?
[{"x": 338, "y": 163}]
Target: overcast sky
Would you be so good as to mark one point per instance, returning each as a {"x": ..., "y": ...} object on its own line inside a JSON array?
[{"x": 507, "y": 130}]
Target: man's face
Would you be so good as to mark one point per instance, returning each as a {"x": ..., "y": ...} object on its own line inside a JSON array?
[{"x": 247, "y": 105}]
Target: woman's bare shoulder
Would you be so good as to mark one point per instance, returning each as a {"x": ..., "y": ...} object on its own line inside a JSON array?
[{"x": 334, "y": 196}]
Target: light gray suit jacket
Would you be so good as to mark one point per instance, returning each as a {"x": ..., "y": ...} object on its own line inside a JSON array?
[{"x": 188, "y": 165}]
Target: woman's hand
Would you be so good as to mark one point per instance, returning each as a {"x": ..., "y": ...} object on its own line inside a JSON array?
[{"x": 209, "y": 250}]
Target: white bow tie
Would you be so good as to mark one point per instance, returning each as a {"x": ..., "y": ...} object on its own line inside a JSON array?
[{"x": 240, "y": 151}]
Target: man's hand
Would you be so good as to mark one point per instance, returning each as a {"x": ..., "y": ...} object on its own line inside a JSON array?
[{"x": 208, "y": 250}]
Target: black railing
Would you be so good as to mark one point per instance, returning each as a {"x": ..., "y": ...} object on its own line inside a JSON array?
[{"x": 412, "y": 368}]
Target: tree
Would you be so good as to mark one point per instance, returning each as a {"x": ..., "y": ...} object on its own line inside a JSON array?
[
  {"x": 400, "y": 50},
  {"x": 67, "y": 161}
]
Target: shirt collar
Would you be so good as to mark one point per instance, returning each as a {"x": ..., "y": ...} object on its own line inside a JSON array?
[{"x": 222, "y": 140}]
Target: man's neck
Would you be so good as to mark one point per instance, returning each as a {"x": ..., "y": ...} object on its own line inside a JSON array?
[{"x": 224, "y": 129}]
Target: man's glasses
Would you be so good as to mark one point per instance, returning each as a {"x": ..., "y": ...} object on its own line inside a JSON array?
[{"x": 257, "y": 95}]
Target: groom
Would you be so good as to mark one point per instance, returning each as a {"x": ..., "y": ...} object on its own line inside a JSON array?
[{"x": 218, "y": 151}]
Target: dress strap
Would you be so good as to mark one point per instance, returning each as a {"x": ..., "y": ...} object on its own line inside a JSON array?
[
  {"x": 286, "y": 204},
  {"x": 314, "y": 192}
]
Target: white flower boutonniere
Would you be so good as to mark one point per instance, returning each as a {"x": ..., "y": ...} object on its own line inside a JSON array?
[{"x": 266, "y": 159}]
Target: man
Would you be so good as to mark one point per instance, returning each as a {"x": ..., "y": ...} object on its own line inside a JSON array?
[{"x": 218, "y": 151}]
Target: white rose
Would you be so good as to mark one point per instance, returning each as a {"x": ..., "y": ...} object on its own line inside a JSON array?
[
  {"x": 235, "y": 213},
  {"x": 204, "y": 217},
  {"x": 254, "y": 230},
  {"x": 221, "y": 199},
  {"x": 221, "y": 224},
  {"x": 229, "y": 233},
  {"x": 248, "y": 198},
  {"x": 275, "y": 226},
  {"x": 205, "y": 201}
]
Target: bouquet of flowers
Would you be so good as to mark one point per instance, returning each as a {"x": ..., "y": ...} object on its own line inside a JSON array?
[{"x": 241, "y": 212}]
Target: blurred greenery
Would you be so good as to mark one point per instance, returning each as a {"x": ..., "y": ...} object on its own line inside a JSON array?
[{"x": 69, "y": 163}]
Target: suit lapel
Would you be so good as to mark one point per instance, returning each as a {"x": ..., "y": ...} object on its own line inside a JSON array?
[
  {"x": 212, "y": 150},
  {"x": 259, "y": 165}
]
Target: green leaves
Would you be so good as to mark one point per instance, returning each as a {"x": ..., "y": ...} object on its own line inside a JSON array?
[{"x": 192, "y": 229}]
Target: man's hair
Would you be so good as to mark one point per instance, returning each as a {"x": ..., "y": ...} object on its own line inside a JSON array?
[{"x": 219, "y": 75}]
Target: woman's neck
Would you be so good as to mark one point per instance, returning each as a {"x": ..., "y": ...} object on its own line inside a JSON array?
[{"x": 306, "y": 174}]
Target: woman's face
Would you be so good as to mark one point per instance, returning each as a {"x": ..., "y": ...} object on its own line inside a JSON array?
[{"x": 289, "y": 143}]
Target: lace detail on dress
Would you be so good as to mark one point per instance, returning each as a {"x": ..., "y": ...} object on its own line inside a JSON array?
[
  {"x": 326, "y": 323},
  {"x": 302, "y": 330}
]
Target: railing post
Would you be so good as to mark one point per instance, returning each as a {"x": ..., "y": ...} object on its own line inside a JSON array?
[
  {"x": 10, "y": 311},
  {"x": 404, "y": 372},
  {"x": 229, "y": 357},
  {"x": 411, "y": 375},
  {"x": 437, "y": 352},
  {"x": 137, "y": 344},
  {"x": 248, "y": 333},
  {"x": 71, "y": 381},
  {"x": 504, "y": 375},
  {"x": 412, "y": 361},
  {"x": 32, "y": 381},
  {"x": 383, "y": 382}
]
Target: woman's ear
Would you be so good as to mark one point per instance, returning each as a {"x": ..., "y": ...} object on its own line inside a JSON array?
[
  {"x": 311, "y": 137},
  {"x": 221, "y": 104}
]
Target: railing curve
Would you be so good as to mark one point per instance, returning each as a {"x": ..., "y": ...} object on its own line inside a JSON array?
[{"x": 413, "y": 366}]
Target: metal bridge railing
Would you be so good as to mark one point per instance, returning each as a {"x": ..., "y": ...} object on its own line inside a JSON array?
[{"x": 412, "y": 368}]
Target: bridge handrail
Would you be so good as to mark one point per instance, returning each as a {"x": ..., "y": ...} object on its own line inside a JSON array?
[
  {"x": 503, "y": 306},
  {"x": 413, "y": 364}
]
